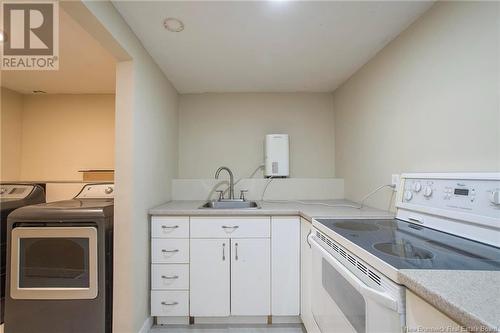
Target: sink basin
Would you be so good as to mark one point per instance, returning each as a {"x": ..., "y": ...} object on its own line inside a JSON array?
[{"x": 230, "y": 204}]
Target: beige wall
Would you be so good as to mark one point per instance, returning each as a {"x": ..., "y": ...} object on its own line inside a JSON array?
[
  {"x": 427, "y": 102},
  {"x": 11, "y": 117},
  {"x": 46, "y": 137},
  {"x": 229, "y": 129},
  {"x": 146, "y": 156},
  {"x": 62, "y": 134}
]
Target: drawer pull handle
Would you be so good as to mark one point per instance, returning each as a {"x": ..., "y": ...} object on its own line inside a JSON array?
[
  {"x": 170, "y": 251},
  {"x": 169, "y": 304},
  {"x": 170, "y": 277},
  {"x": 223, "y": 251},
  {"x": 236, "y": 251},
  {"x": 415, "y": 220},
  {"x": 169, "y": 226},
  {"x": 229, "y": 227}
]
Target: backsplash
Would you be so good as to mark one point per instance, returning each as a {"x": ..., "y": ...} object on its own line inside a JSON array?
[{"x": 278, "y": 189}]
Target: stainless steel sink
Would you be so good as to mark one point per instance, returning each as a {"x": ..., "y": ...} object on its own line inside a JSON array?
[{"x": 230, "y": 204}]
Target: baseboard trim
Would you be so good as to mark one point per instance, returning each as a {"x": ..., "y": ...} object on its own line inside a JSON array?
[
  {"x": 146, "y": 326},
  {"x": 172, "y": 320},
  {"x": 287, "y": 320},
  {"x": 232, "y": 320}
]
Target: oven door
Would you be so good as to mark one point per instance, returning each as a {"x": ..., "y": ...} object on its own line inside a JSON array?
[
  {"x": 53, "y": 263},
  {"x": 342, "y": 303}
]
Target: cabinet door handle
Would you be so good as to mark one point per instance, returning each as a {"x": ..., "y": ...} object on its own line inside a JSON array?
[
  {"x": 307, "y": 238},
  {"x": 169, "y": 226},
  {"x": 235, "y": 251},
  {"x": 169, "y": 304},
  {"x": 230, "y": 227},
  {"x": 170, "y": 251},
  {"x": 223, "y": 251},
  {"x": 415, "y": 220},
  {"x": 170, "y": 277}
]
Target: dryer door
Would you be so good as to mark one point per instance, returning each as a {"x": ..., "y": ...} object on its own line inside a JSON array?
[{"x": 54, "y": 263}]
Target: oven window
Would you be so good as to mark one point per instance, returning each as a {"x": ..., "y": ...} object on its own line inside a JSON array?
[
  {"x": 54, "y": 262},
  {"x": 347, "y": 298}
]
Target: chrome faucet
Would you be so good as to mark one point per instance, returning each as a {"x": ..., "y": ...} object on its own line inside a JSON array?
[{"x": 231, "y": 181}]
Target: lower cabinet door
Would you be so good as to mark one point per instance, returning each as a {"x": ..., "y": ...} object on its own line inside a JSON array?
[
  {"x": 209, "y": 277},
  {"x": 251, "y": 277}
]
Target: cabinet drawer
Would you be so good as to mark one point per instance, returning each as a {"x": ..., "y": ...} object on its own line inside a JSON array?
[
  {"x": 169, "y": 303},
  {"x": 230, "y": 227},
  {"x": 170, "y": 276},
  {"x": 170, "y": 227},
  {"x": 173, "y": 251}
]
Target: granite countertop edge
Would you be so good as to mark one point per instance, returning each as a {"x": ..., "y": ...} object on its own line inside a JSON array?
[{"x": 453, "y": 309}]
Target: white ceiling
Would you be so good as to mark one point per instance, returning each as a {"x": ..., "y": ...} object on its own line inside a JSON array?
[
  {"x": 85, "y": 67},
  {"x": 266, "y": 46}
]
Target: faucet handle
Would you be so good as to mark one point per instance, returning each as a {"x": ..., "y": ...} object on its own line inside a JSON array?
[
  {"x": 221, "y": 194},
  {"x": 242, "y": 194}
]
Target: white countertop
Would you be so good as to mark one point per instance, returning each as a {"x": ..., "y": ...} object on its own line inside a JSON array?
[{"x": 307, "y": 211}]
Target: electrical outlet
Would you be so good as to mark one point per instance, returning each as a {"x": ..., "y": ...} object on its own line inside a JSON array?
[{"x": 395, "y": 180}]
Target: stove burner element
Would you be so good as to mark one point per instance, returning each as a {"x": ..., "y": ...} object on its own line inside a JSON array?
[
  {"x": 406, "y": 251},
  {"x": 355, "y": 226}
]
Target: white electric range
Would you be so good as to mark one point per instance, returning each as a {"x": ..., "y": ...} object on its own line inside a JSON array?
[{"x": 443, "y": 221}]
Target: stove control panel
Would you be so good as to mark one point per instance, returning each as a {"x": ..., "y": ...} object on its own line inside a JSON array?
[
  {"x": 15, "y": 191},
  {"x": 97, "y": 191},
  {"x": 477, "y": 194}
]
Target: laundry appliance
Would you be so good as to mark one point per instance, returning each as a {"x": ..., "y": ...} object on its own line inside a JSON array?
[
  {"x": 60, "y": 265},
  {"x": 13, "y": 196}
]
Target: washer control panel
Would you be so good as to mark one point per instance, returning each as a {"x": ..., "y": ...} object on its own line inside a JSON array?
[
  {"x": 474, "y": 196},
  {"x": 97, "y": 191},
  {"x": 15, "y": 191}
]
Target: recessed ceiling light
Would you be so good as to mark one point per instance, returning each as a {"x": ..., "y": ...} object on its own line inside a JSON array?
[{"x": 172, "y": 24}]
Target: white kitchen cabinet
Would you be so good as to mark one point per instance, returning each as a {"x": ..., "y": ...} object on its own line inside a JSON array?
[
  {"x": 169, "y": 267},
  {"x": 169, "y": 251},
  {"x": 230, "y": 277},
  {"x": 170, "y": 227},
  {"x": 250, "y": 277},
  {"x": 422, "y": 316},
  {"x": 285, "y": 271},
  {"x": 210, "y": 277},
  {"x": 169, "y": 276},
  {"x": 169, "y": 303},
  {"x": 305, "y": 278},
  {"x": 230, "y": 227},
  {"x": 221, "y": 267}
]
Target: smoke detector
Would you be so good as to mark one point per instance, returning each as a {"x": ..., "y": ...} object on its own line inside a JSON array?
[{"x": 173, "y": 25}]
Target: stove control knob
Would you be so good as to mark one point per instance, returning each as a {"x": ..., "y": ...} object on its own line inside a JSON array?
[
  {"x": 408, "y": 195},
  {"x": 108, "y": 190},
  {"x": 495, "y": 197},
  {"x": 427, "y": 191},
  {"x": 417, "y": 187}
]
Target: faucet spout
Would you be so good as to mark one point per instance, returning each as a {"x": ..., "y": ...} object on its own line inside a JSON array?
[{"x": 231, "y": 180}]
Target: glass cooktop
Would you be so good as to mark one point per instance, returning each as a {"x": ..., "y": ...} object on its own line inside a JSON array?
[{"x": 405, "y": 245}]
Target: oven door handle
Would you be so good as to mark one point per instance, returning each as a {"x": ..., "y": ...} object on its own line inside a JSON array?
[{"x": 380, "y": 297}]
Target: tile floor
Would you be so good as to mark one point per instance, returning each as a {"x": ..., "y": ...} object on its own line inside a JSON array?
[{"x": 233, "y": 328}]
